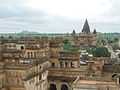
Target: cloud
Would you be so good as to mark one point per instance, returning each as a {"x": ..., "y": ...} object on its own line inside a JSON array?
[
  {"x": 18, "y": 15},
  {"x": 114, "y": 11}
]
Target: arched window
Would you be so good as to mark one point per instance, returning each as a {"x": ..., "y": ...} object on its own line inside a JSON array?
[
  {"x": 53, "y": 65},
  {"x": 32, "y": 54},
  {"x": 52, "y": 87},
  {"x": 64, "y": 87},
  {"x": 22, "y": 47},
  {"x": 66, "y": 64},
  {"x": 28, "y": 54},
  {"x": 72, "y": 66},
  {"x": 35, "y": 54}
]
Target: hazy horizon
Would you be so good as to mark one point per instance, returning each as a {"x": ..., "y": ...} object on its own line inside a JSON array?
[{"x": 58, "y": 16}]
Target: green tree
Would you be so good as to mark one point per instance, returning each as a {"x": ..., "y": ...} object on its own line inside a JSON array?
[
  {"x": 68, "y": 47},
  {"x": 116, "y": 39},
  {"x": 99, "y": 52},
  {"x": 67, "y": 44}
]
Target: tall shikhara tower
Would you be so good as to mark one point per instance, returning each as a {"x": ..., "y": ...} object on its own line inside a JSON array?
[
  {"x": 86, "y": 37},
  {"x": 86, "y": 28}
]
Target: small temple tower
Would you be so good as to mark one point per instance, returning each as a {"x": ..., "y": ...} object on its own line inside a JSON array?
[
  {"x": 94, "y": 32},
  {"x": 73, "y": 33}
]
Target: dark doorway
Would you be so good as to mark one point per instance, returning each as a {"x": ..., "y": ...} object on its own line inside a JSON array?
[
  {"x": 53, "y": 65},
  {"x": 53, "y": 87},
  {"x": 64, "y": 87}
]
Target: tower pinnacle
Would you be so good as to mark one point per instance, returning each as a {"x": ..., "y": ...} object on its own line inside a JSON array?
[{"x": 86, "y": 28}]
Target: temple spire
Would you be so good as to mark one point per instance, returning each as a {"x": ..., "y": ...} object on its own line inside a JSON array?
[
  {"x": 94, "y": 32},
  {"x": 86, "y": 28},
  {"x": 73, "y": 33}
]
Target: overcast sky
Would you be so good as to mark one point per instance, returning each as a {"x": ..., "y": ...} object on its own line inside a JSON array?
[{"x": 59, "y": 16}]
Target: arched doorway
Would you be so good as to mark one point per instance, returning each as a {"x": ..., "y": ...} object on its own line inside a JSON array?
[
  {"x": 53, "y": 87},
  {"x": 64, "y": 87}
]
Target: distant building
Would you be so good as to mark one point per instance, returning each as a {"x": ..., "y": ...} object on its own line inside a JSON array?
[{"x": 86, "y": 37}]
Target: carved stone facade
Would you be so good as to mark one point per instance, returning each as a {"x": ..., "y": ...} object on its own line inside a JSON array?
[
  {"x": 23, "y": 61},
  {"x": 55, "y": 47}
]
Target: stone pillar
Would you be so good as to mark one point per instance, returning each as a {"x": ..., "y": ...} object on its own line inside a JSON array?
[
  {"x": 118, "y": 79},
  {"x": 69, "y": 64},
  {"x": 63, "y": 64},
  {"x": 58, "y": 85}
]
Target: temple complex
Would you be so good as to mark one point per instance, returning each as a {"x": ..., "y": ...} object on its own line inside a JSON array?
[{"x": 55, "y": 63}]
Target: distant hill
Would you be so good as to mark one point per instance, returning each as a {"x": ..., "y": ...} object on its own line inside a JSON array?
[
  {"x": 28, "y": 32},
  {"x": 32, "y": 34},
  {"x": 108, "y": 36}
]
